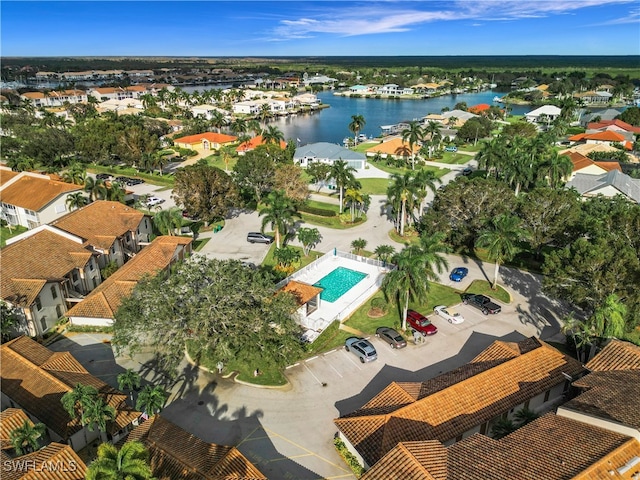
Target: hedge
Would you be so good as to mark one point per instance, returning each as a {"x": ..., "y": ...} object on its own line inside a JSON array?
[{"x": 317, "y": 211}]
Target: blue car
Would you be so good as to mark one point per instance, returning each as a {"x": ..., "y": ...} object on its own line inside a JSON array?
[{"x": 458, "y": 274}]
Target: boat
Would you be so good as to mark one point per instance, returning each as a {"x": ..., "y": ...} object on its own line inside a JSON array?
[{"x": 497, "y": 99}]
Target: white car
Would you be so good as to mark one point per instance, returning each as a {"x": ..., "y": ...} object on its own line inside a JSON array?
[
  {"x": 152, "y": 201},
  {"x": 448, "y": 314}
]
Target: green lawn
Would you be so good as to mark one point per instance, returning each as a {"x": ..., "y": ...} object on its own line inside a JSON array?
[
  {"x": 482, "y": 287},
  {"x": 326, "y": 206},
  {"x": 438, "y": 172},
  {"x": 330, "y": 222},
  {"x": 198, "y": 244},
  {"x": 454, "y": 158},
  {"x": 374, "y": 186},
  {"x": 6, "y": 233},
  {"x": 215, "y": 160},
  {"x": 269, "y": 261}
]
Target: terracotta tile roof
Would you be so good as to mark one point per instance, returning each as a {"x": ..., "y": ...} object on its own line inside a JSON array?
[
  {"x": 105, "y": 300},
  {"x": 176, "y": 453},
  {"x": 6, "y": 175},
  {"x": 609, "y": 166},
  {"x": 616, "y": 355},
  {"x": 611, "y": 395},
  {"x": 35, "y": 193},
  {"x": 395, "y": 146},
  {"x": 550, "y": 448},
  {"x": 609, "y": 123},
  {"x": 607, "y": 136},
  {"x": 53, "y": 462},
  {"x": 29, "y": 263},
  {"x": 254, "y": 142},
  {"x": 10, "y": 419},
  {"x": 302, "y": 291},
  {"x": 101, "y": 222},
  {"x": 211, "y": 136},
  {"x": 503, "y": 376},
  {"x": 481, "y": 107},
  {"x": 36, "y": 378}
]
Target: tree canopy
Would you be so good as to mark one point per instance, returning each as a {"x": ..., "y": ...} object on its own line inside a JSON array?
[{"x": 223, "y": 309}]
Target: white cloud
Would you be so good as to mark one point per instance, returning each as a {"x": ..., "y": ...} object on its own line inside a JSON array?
[{"x": 348, "y": 19}]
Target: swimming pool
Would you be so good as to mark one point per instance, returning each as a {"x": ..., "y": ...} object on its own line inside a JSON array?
[{"x": 338, "y": 282}]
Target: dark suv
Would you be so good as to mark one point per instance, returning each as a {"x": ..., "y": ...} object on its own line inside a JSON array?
[{"x": 481, "y": 302}]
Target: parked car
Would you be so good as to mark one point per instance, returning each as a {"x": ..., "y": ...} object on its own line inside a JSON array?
[
  {"x": 466, "y": 171},
  {"x": 153, "y": 201},
  {"x": 122, "y": 180},
  {"x": 481, "y": 302},
  {"x": 257, "y": 237},
  {"x": 448, "y": 314},
  {"x": 363, "y": 349},
  {"x": 420, "y": 323},
  {"x": 458, "y": 273},
  {"x": 135, "y": 181},
  {"x": 451, "y": 148},
  {"x": 392, "y": 337},
  {"x": 103, "y": 176}
]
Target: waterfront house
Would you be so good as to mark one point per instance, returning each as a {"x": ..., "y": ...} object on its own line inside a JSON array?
[
  {"x": 30, "y": 199},
  {"x": 100, "y": 306},
  {"x": 205, "y": 141},
  {"x": 393, "y": 89},
  {"x": 117, "y": 93},
  {"x": 460, "y": 117},
  {"x": 43, "y": 270},
  {"x": 328, "y": 153},
  {"x": 247, "y": 107},
  {"x": 544, "y": 115},
  {"x": 55, "y": 98},
  {"x": 112, "y": 231},
  {"x": 253, "y": 143},
  {"x": 608, "y": 184},
  {"x": 504, "y": 378},
  {"x": 593, "y": 98},
  {"x": 175, "y": 453},
  {"x": 208, "y": 111},
  {"x": 35, "y": 378},
  {"x": 396, "y": 147}
]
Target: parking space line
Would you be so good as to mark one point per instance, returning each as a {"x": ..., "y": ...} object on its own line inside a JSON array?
[
  {"x": 333, "y": 368},
  {"x": 312, "y": 374},
  {"x": 348, "y": 355}
]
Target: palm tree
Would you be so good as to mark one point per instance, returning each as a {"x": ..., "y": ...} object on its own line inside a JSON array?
[
  {"x": 432, "y": 247},
  {"x": 502, "y": 427},
  {"x": 78, "y": 401},
  {"x": 286, "y": 257},
  {"x": 265, "y": 113},
  {"x": 25, "y": 438},
  {"x": 254, "y": 126},
  {"x": 426, "y": 180},
  {"x": 384, "y": 252},
  {"x": 358, "y": 245},
  {"x": 115, "y": 192},
  {"x": 76, "y": 200},
  {"x": 167, "y": 221},
  {"x": 357, "y": 123},
  {"x": 501, "y": 239},
  {"x": 75, "y": 174},
  {"x": 555, "y": 169},
  {"x": 407, "y": 282},
  {"x": 131, "y": 462},
  {"x": 238, "y": 126},
  {"x": 96, "y": 188},
  {"x": 129, "y": 380},
  {"x": 218, "y": 120},
  {"x": 151, "y": 400},
  {"x": 309, "y": 237},
  {"x": 524, "y": 416},
  {"x": 272, "y": 135},
  {"x": 342, "y": 173},
  {"x": 490, "y": 155},
  {"x": 413, "y": 134},
  {"x": 353, "y": 197},
  {"x": 279, "y": 212},
  {"x": 401, "y": 194},
  {"x": 97, "y": 413},
  {"x": 432, "y": 130},
  {"x": 609, "y": 319}
]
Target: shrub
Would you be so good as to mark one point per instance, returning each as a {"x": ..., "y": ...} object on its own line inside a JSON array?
[
  {"x": 322, "y": 212},
  {"x": 349, "y": 458}
]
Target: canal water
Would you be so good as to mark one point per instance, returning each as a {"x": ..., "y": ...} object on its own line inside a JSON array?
[{"x": 332, "y": 124}]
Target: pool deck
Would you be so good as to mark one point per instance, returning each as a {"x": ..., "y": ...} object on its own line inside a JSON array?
[{"x": 347, "y": 303}]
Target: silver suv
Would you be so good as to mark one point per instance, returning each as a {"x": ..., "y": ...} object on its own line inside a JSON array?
[
  {"x": 362, "y": 348},
  {"x": 257, "y": 237}
]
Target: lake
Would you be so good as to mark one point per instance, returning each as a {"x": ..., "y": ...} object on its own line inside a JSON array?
[{"x": 331, "y": 124}]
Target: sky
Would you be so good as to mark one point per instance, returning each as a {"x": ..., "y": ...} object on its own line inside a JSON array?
[{"x": 319, "y": 28}]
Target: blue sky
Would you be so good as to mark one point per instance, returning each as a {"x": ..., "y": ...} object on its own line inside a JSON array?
[{"x": 268, "y": 28}]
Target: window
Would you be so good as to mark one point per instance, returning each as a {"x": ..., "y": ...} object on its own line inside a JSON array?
[
  {"x": 54, "y": 291},
  {"x": 74, "y": 276},
  {"x": 43, "y": 322},
  {"x": 58, "y": 311},
  {"x": 91, "y": 266},
  {"x": 38, "y": 304}
]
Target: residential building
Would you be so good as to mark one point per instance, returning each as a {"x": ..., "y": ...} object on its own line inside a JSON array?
[
  {"x": 589, "y": 116},
  {"x": 43, "y": 270},
  {"x": 55, "y": 98},
  {"x": 100, "y": 306},
  {"x": 396, "y": 147},
  {"x": 307, "y": 99},
  {"x": 460, "y": 117},
  {"x": 615, "y": 125},
  {"x": 593, "y": 98},
  {"x": 608, "y": 184},
  {"x": 255, "y": 142},
  {"x": 504, "y": 378},
  {"x": 208, "y": 111},
  {"x": 35, "y": 378},
  {"x": 205, "y": 141},
  {"x": 586, "y": 166},
  {"x": 393, "y": 89},
  {"x": 117, "y": 93},
  {"x": 544, "y": 115},
  {"x": 361, "y": 89},
  {"x": 247, "y": 107},
  {"x": 112, "y": 231},
  {"x": 317, "y": 79},
  {"x": 328, "y": 153},
  {"x": 550, "y": 448},
  {"x": 124, "y": 106},
  {"x": 175, "y": 453},
  {"x": 30, "y": 199},
  {"x": 53, "y": 462},
  {"x": 606, "y": 137}
]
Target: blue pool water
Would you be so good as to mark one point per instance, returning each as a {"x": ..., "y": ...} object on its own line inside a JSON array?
[{"x": 338, "y": 282}]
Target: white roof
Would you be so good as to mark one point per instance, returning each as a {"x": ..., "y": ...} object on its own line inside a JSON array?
[{"x": 550, "y": 110}]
